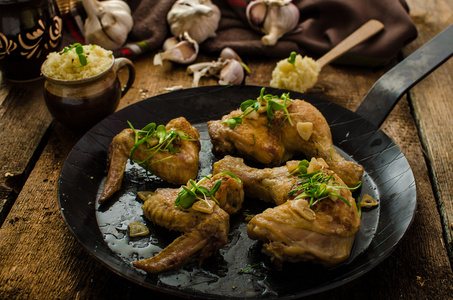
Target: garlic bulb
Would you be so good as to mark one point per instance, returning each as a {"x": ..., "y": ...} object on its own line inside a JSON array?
[
  {"x": 108, "y": 23},
  {"x": 272, "y": 17},
  {"x": 199, "y": 18},
  {"x": 229, "y": 68},
  {"x": 183, "y": 50}
]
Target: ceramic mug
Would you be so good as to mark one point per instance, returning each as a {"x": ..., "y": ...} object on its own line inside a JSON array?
[
  {"x": 29, "y": 30},
  {"x": 82, "y": 103}
]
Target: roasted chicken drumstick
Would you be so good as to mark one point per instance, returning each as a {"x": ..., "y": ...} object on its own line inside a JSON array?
[
  {"x": 316, "y": 218},
  {"x": 176, "y": 166},
  {"x": 205, "y": 224},
  {"x": 302, "y": 130}
]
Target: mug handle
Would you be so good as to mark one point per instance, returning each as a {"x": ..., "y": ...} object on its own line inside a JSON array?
[{"x": 120, "y": 63}]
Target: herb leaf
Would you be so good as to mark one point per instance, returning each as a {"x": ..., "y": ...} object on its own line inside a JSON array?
[
  {"x": 292, "y": 58},
  {"x": 189, "y": 195},
  {"x": 317, "y": 185},
  {"x": 271, "y": 103},
  {"x": 147, "y": 137},
  {"x": 78, "y": 49}
]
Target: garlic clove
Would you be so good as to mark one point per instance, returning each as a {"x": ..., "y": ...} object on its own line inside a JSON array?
[
  {"x": 228, "y": 53},
  {"x": 228, "y": 67},
  {"x": 204, "y": 206},
  {"x": 232, "y": 73},
  {"x": 280, "y": 20},
  {"x": 314, "y": 166},
  {"x": 256, "y": 14},
  {"x": 184, "y": 52},
  {"x": 170, "y": 43},
  {"x": 305, "y": 129}
]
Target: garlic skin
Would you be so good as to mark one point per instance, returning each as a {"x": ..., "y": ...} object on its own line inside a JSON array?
[
  {"x": 108, "y": 23},
  {"x": 272, "y": 17},
  {"x": 199, "y": 18},
  {"x": 229, "y": 68},
  {"x": 183, "y": 50},
  {"x": 204, "y": 69}
]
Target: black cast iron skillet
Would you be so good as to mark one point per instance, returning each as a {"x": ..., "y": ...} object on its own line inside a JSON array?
[{"x": 388, "y": 178}]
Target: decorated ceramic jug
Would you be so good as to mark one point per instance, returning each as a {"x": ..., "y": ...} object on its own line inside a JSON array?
[{"x": 29, "y": 30}]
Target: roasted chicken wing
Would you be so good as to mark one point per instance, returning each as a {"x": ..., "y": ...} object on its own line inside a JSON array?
[
  {"x": 176, "y": 161},
  {"x": 269, "y": 184},
  {"x": 315, "y": 220},
  {"x": 205, "y": 224},
  {"x": 275, "y": 141}
]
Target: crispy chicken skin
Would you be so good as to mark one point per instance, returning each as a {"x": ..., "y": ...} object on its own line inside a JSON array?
[
  {"x": 260, "y": 183},
  {"x": 204, "y": 233},
  {"x": 280, "y": 142},
  {"x": 177, "y": 169},
  {"x": 292, "y": 231}
]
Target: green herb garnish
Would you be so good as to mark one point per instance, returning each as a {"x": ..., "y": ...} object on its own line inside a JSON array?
[
  {"x": 359, "y": 206},
  {"x": 156, "y": 138},
  {"x": 78, "y": 49},
  {"x": 292, "y": 58},
  {"x": 301, "y": 167},
  {"x": 189, "y": 195},
  {"x": 317, "y": 185},
  {"x": 272, "y": 104},
  {"x": 250, "y": 267}
]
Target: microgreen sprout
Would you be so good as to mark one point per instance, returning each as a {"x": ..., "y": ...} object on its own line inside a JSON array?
[
  {"x": 301, "y": 167},
  {"x": 317, "y": 185},
  {"x": 189, "y": 195},
  {"x": 155, "y": 138},
  {"x": 250, "y": 267},
  {"x": 292, "y": 58},
  {"x": 247, "y": 107},
  {"x": 272, "y": 104},
  {"x": 359, "y": 206},
  {"x": 78, "y": 49}
]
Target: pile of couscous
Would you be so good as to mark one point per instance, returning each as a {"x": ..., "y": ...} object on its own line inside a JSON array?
[
  {"x": 72, "y": 63},
  {"x": 301, "y": 76}
]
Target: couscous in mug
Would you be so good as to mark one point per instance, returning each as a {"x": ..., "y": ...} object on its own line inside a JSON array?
[{"x": 81, "y": 101}]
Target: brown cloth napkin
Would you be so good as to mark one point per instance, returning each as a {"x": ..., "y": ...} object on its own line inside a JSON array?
[{"x": 322, "y": 25}]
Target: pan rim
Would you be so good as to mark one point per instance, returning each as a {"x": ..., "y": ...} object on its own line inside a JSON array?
[{"x": 131, "y": 274}]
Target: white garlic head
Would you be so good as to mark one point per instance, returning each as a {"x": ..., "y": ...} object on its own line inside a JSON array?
[
  {"x": 108, "y": 23},
  {"x": 272, "y": 17},
  {"x": 199, "y": 18}
]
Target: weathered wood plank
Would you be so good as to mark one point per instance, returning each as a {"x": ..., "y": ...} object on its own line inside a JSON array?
[
  {"x": 41, "y": 259},
  {"x": 433, "y": 109},
  {"x": 19, "y": 104}
]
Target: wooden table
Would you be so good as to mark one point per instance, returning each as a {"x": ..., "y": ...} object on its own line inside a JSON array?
[{"x": 40, "y": 259}]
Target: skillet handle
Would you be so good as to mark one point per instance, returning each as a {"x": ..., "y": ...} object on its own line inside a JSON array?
[{"x": 389, "y": 89}]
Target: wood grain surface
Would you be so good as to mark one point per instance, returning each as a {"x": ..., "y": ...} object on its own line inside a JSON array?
[
  {"x": 40, "y": 259},
  {"x": 24, "y": 120},
  {"x": 432, "y": 106}
]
